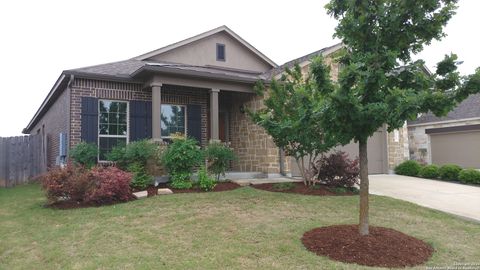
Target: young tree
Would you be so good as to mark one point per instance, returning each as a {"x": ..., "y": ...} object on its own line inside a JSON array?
[
  {"x": 289, "y": 115},
  {"x": 379, "y": 82}
]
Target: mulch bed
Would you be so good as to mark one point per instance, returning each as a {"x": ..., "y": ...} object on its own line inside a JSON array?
[
  {"x": 221, "y": 186},
  {"x": 383, "y": 247},
  {"x": 300, "y": 188},
  {"x": 64, "y": 205}
]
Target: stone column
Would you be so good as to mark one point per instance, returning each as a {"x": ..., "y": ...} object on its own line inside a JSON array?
[
  {"x": 214, "y": 114},
  {"x": 156, "y": 111}
]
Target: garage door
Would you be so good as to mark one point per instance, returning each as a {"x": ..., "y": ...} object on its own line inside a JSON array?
[
  {"x": 462, "y": 148},
  {"x": 377, "y": 154}
]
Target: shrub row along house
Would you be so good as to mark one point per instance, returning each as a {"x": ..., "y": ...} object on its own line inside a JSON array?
[{"x": 201, "y": 87}]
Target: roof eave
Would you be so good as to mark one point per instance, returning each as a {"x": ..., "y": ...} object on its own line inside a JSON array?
[{"x": 198, "y": 74}]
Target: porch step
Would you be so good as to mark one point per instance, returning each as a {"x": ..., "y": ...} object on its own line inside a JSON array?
[{"x": 244, "y": 175}]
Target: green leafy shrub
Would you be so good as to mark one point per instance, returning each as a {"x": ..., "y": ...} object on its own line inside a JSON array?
[
  {"x": 180, "y": 158},
  {"x": 219, "y": 156},
  {"x": 181, "y": 180},
  {"x": 135, "y": 152},
  {"x": 284, "y": 186},
  {"x": 205, "y": 181},
  {"x": 84, "y": 154},
  {"x": 429, "y": 171},
  {"x": 469, "y": 176},
  {"x": 450, "y": 172},
  {"x": 141, "y": 179},
  {"x": 409, "y": 168}
]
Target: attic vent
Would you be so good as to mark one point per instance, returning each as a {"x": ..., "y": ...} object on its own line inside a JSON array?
[{"x": 220, "y": 52}]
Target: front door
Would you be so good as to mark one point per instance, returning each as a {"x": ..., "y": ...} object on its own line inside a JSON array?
[{"x": 222, "y": 126}]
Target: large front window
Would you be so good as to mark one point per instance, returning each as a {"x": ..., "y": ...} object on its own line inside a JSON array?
[
  {"x": 112, "y": 126},
  {"x": 173, "y": 120}
]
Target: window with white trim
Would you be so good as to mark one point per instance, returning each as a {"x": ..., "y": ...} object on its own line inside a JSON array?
[
  {"x": 173, "y": 120},
  {"x": 112, "y": 126}
]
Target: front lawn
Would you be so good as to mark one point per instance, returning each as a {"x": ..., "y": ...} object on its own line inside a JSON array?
[{"x": 241, "y": 229}]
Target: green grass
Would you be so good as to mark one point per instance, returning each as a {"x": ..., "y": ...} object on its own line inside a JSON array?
[{"x": 241, "y": 229}]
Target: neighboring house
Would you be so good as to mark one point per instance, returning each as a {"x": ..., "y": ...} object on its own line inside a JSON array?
[
  {"x": 454, "y": 138},
  {"x": 200, "y": 86}
]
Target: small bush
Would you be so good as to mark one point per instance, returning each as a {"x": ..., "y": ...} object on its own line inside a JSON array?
[
  {"x": 449, "y": 172},
  {"x": 141, "y": 179},
  {"x": 469, "y": 176},
  {"x": 219, "y": 157},
  {"x": 110, "y": 185},
  {"x": 337, "y": 170},
  {"x": 205, "y": 181},
  {"x": 284, "y": 186},
  {"x": 77, "y": 184},
  {"x": 181, "y": 156},
  {"x": 84, "y": 154},
  {"x": 181, "y": 181},
  {"x": 429, "y": 171},
  {"x": 135, "y": 152},
  {"x": 409, "y": 168},
  {"x": 66, "y": 184}
]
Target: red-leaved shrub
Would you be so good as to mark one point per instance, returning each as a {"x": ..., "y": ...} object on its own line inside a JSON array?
[
  {"x": 66, "y": 184},
  {"x": 101, "y": 185},
  {"x": 337, "y": 170},
  {"x": 110, "y": 185}
]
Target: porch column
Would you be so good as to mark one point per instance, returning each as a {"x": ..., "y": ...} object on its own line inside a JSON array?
[
  {"x": 214, "y": 114},
  {"x": 156, "y": 111}
]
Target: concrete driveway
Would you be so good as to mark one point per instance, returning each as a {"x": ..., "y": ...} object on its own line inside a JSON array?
[{"x": 458, "y": 199}]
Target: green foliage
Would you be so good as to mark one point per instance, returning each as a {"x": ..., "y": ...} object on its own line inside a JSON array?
[
  {"x": 219, "y": 156},
  {"x": 449, "y": 172},
  {"x": 379, "y": 83},
  {"x": 284, "y": 186},
  {"x": 181, "y": 180},
  {"x": 182, "y": 155},
  {"x": 135, "y": 152},
  {"x": 205, "y": 181},
  {"x": 409, "y": 168},
  {"x": 141, "y": 179},
  {"x": 469, "y": 176},
  {"x": 429, "y": 171},
  {"x": 84, "y": 154},
  {"x": 291, "y": 114}
]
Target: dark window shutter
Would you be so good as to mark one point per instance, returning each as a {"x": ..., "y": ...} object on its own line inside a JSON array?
[
  {"x": 89, "y": 127},
  {"x": 140, "y": 120},
  {"x": 194, "y": 122}
]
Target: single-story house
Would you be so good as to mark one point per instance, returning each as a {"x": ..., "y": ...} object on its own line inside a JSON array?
[
  {"x": 453, "y": 139},
  {"x": 200, "y": 86}
]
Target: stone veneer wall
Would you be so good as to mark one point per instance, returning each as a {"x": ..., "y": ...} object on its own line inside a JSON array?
[
  {"x": 171, "y": 94},
  {"x": 255, "y": 149},
  {"x": 397, "y": 150},
  {"x": 419, "y": 142}
]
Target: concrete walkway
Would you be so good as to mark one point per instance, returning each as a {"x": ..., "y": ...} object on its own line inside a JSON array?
[{"x": 457, "y": 199}]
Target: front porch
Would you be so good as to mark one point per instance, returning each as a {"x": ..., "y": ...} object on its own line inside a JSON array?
[{"x": 216, "y": 114}]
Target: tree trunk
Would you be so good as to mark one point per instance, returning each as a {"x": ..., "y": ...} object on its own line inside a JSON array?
[{"x": 363, "y": 227}]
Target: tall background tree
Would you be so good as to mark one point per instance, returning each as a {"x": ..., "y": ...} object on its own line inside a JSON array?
[
  {"x": 379, "y": 83},
  {"x": 289, "y": 115}
]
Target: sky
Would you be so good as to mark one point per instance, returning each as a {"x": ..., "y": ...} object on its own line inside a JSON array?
[{"x": 40, "y": 39}]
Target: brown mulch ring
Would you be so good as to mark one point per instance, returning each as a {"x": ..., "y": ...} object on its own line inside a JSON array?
[
  {"x": 383, "y": 247},
  {"x": 65, "y": 205},
  {"x": 300, "y": 188},
  {"x": 221, "y": 186}
]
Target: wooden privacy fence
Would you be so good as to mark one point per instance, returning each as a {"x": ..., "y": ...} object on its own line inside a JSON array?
[{"x": 20, "y": 159}]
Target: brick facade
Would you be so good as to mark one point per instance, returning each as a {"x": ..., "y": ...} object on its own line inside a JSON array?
[
  {"x": 53, "y": 122},
  {"x": 171, "y": 94},
  {"x": 397, "y": 147}
]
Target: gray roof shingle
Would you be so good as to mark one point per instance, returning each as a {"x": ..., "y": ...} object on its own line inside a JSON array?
[{"x": 469, "y": 108}]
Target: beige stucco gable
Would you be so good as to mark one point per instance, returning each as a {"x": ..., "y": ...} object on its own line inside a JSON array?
[{"x": 203, "y": 53}]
